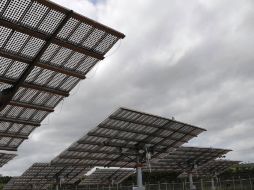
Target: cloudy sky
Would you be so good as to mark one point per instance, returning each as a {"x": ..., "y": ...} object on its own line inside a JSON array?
[{"x": 189, "y": 59}]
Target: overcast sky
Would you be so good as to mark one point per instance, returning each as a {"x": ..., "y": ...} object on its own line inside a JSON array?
[{"x": 191, "y": 59}]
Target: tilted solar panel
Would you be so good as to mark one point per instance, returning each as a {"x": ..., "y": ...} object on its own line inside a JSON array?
[
  {"x": 11, "y": 185},
  {"x": 187, "y": 159},
  {"x": 42, "y": 175},
  {"x": 216, "y": 167},
  {"x": 5, "y": 158},
  {"x": 126, "y": 133},
  {"x": 45, "y": 50}
]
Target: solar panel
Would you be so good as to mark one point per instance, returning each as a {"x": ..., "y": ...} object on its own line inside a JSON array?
[
  {"x": 106, "y": 176},
  {"x": 45, "y": 50},
  {"x": 11, "y": 185},
  {"x": 42, "y": 175},
  {"x": 216, "y": 167},
  {"x": 126, "y": 133},
  {"x": 5, "y": 158},
  {"x": 186, "y": 159}
]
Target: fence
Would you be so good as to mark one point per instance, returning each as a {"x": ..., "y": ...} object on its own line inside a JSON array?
[{"x": 230, "y": 184}]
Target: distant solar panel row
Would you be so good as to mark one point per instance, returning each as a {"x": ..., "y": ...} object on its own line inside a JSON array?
[
  {"x": 43, "y": 175},
  {"x": 45, "y": 50},
  {"x": 186, "y": 159},
  {"x": 213, "y": 168}
]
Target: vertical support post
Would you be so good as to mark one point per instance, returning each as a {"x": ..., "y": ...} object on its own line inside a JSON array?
[
  {"x": 241, "y": 183},
  {"x": 192, "y": 186},
  {"x": 212, "y": 183},
  {"x": 234, "y": 183},
  {"x": 57, "y": 183},
  {"x": 201, "y": 184},
  {"x": 250, "y": 183},
  {"x": 139, "y": 176}
]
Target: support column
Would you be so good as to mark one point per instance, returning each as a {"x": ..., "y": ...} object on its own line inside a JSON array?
[
  {"x": 192, "y": 186},
  {"x": 212, "y": 183},
  {"x": 139, "y": 176},
  {"x": 201, "y": 184}
]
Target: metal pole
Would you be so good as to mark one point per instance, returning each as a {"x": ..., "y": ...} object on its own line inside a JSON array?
[
  {"x": 234, "y": 183},
  {"x": 192, "y": 186},
  {"x": 250, "y": 183},
  {"x": 213, "y": 185},
  {"x": 241, "y": 184},
  {"x": 201, "y": 184},
  {"x": 139, "y": 177}
]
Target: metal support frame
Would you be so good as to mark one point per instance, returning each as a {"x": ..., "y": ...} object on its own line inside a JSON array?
[
  {"x": 212, "y": 184},
  {"x": 139, "y": 175},
  {"x": 192, "y": 186},
  {"x": 7, "y": 94}
]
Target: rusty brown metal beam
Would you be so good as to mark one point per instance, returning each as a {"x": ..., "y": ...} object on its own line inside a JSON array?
[
  {"x": 82, "y": 18},
  {"x": 90, "y": 158},
  {"x": 45, "y": 37},
  {"x": 13, "y": 135},
  {"x": 35, "y": 87},
  {"x": 8, "y": 148},
  {"x": 31, "y": 106},
  {"x": 47, "y": 66},
  {"x": 20, "y": 121}
]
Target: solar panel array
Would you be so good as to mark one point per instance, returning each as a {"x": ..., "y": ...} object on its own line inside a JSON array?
[
  {"x": 12, "y": 186},
  {"x": 5, "y": 158},
  {"x": 42, "y": 175},
  {"x": 185, "y": 159},
  {"x": 45, "y": 50},
  {"x": 124, "y": 134},
  {"x": 216, "y": 167},
  {"x": 106, "y": 176}
]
